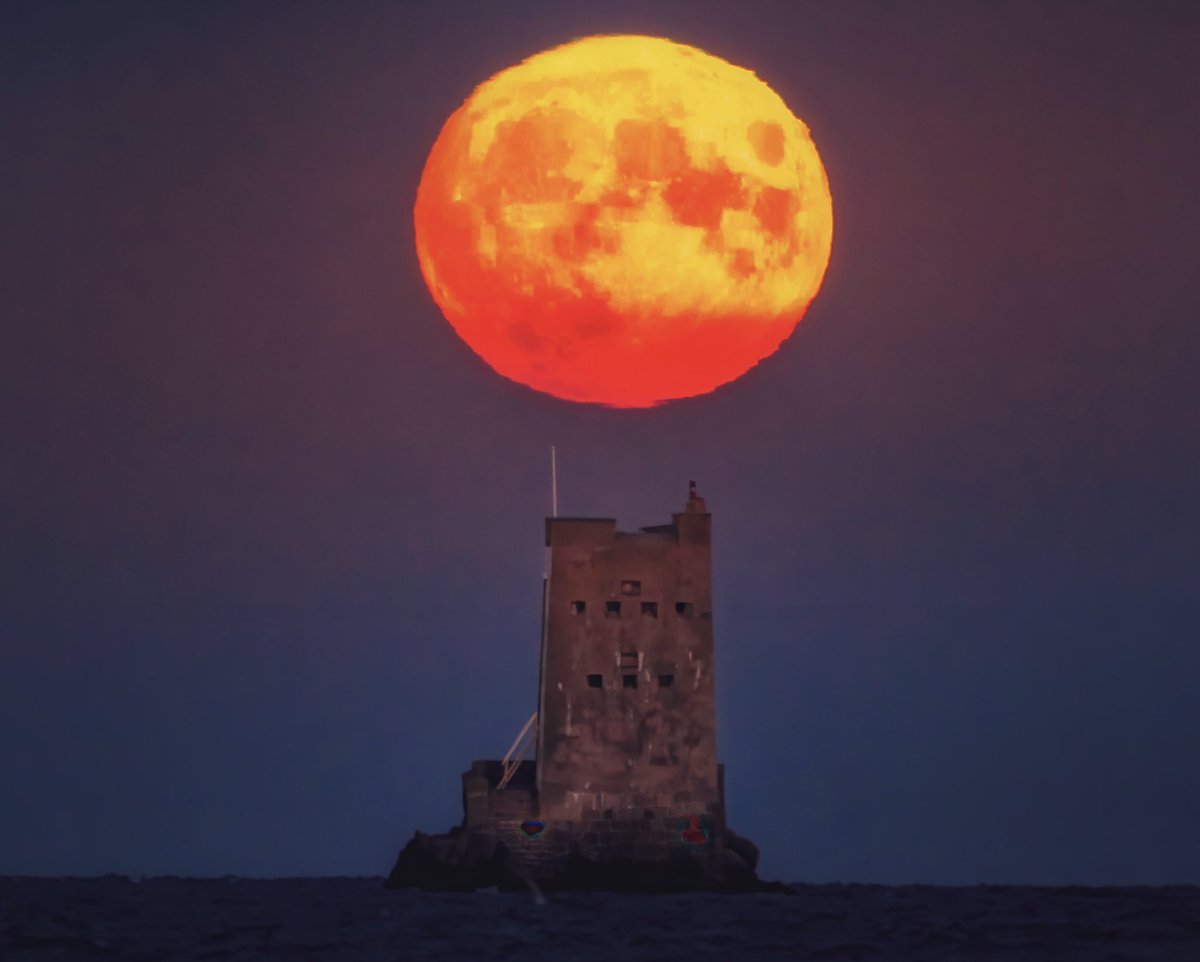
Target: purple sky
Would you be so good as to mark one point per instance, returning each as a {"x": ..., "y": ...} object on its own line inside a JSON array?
[{"x": 271, "y": 534}]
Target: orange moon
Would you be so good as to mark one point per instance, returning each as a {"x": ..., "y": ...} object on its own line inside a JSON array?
[{"x": 623, "y": 220}]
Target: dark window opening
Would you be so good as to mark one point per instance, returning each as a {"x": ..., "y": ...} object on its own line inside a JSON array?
[
  {"x": 666, "y": 681},
  {"x": 631, "y": 588},
  {"x": 595, "y": 681},
  {"x": 629, "y": 661},
  {"x": 578, "y": 607},
  {"x": 612, "y": 609},
  {"x": 684, "y": 608},
  {"x": 629, "y": 681},
  {"x": 649, "y": 609}
]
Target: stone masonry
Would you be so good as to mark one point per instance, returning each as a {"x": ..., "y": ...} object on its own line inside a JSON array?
[{"x": 626, "y": 790}]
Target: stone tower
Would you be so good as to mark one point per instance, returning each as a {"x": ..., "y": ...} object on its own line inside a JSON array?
[
  {"x": 625, "y": 791},
  {"x": 627, "y": 720}
]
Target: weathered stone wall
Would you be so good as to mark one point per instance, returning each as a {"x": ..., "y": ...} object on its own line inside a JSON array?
[
  {"x": 628, "y": 826},
  {"x": 656, "y": 837},
  {"x": 627, "y": 717},
  {"x": 484, "y": 802}
]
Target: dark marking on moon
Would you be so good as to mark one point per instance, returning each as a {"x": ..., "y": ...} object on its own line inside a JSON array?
[
  {"x": 741, "y": 263},
  {"x": 526, "y": 338},
  {"x": 775, "y": 209},
  {"x": 767, "y": 141},
  {"x": 527, "y": 156},
  {"x": 648, "y": 150},
  {"x": 698, "y": 197}
]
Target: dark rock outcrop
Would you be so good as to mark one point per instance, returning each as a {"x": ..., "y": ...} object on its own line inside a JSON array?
[
  {"x": 743, "y": 847},
  {"x": 464, "y": 860},
  {"x": 458, "y": 861}
]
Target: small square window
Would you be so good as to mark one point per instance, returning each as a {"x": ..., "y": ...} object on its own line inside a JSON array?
[
  {"x": 684, "y": 608},
  {"x": 666, "y": 681},
  {"x": 578, "y": 607},
  {"x": 649, "y": 609},
  {"x": 595, "y": 681},
  {"x": 631, "y": 588},
  {"x": 629, "y": 681},
  {"x": 629, "y": 661},
  {"x": 612, "y": 609}
]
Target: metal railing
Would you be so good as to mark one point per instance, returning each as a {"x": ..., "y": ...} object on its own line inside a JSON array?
[{"x": 516, "y": 754}]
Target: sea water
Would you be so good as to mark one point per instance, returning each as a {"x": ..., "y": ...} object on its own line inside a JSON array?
[{"x": 115, "y": 917}]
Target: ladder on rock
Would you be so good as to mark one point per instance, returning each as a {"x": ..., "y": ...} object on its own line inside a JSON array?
[{"x": 516, "y": 754}]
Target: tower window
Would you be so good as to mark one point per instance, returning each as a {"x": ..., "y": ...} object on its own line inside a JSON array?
[
  {"x": 629, "y": 661},
  {"x": 595, "y": 681},
  {"x": 578, "y": 607},
  {"x": 684, "y": 608},
  {"x": 629, "y": 681},
  {"x": 649, "y": 609},
  {"x": 612, "y": 609},
  {"x": 666, "y": 681},
  {"x": 631, "y": 588}
]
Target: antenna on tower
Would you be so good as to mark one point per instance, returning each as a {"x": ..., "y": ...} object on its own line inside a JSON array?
[{"x": 553, "y": 482}]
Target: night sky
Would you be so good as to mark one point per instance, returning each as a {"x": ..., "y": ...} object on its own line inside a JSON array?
[{"x": 271, "y": 535}]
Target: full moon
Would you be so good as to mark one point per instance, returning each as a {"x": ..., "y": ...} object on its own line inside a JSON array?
[{"x": 623, "y": 220}]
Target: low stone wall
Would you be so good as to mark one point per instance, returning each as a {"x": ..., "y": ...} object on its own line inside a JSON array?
[{"x": 655, "y": 837}]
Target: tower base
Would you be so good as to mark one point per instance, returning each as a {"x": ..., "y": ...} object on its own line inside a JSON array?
[
  {"x": 505, "y": 843},
  {"x": 464, "y": 860}
]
